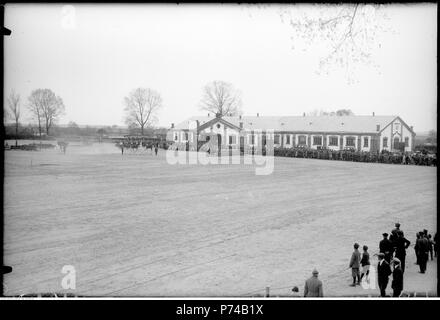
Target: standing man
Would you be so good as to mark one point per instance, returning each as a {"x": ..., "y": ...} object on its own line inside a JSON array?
[
  {"x": 435, "y": 245},
  {"x": 430, "y": 246},
  {"x": 355, "y": 265},
  {"x": 365, "y": 263},
  {"x": 383, "y": 272},
  {"x": 423, "y": 250},
  {"x": 313, "y": 286},
  {"x": 397, "y": 283},
  {"x": 155, "y": 148},
  {"x": 386, "y": 247},
  {"x": 401, "y": 245}
]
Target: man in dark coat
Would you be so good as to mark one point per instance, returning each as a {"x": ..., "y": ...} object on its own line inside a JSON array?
[
  {"x": 394, "y": 236},
  {"x": 383, "y": 272},
  {"x": 397, "y": 283},
  {"x": 423, "y": 251},
  {"x": 401, "y": 245},
  {"x": 386, "y": 247},
  {"x": 355, "y": 264}
]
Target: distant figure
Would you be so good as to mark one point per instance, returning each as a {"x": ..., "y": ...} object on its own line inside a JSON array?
[
  {"x": 355, "y": 265},
  {"x": 383, "y": 273},
  {"x": 313, "y": 286},
  {"x": 401, "y": 245},
  {"x": 386, "y": 247},
  {"x": 416, "y": 248},
  {"x": 397, "y": 284},
  {"x": 365, "y": 263},
  {"x": 295, "y": 292},
  {"x": 423, "y": 251},
  {"x": 155, "y": 148},
  {"x": 430, "y": 246},
  {"x": 121, "y": 145},
  {"x": 435, "y": 245}
]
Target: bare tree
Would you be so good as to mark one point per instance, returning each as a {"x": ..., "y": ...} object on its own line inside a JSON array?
[
  {"x": 340, "y": 112},
  {"x": 345, "y": 34},
  {"x": 141, "y": 107},
  {"x": 14, "y": 111},
  {"x": 46, "y": 107},
  {"x": 221, "y": 98}
]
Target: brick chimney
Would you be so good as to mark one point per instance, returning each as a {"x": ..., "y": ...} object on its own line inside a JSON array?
[
  {"x": 172, "y": 125},
  {"x": 373, "y": 113},
  {"x": 304, "y": 114},
  {"x": 258, "y": 114}
]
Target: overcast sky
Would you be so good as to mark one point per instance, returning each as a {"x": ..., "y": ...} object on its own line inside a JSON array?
[{"x": 94, "y": 55}]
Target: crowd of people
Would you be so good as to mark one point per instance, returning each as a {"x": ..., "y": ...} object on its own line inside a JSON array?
[
  {"x": 407, "y": 158},
  {"x": 391, "y": 262}
]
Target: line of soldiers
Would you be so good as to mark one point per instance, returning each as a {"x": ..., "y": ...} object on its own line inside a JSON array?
[
  {"x": 393, "y": 252},
  {"x": 358, "y": 156}
]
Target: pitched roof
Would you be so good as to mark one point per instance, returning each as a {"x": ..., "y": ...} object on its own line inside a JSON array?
[{"x": 303, "y": 123}]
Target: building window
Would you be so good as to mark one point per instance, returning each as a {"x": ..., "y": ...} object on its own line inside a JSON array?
[
  {"x": 396, "y": 143},
  {"x": 251, "y": 139},
  {"x": 406, "y": 142},
  {"x": 365, "y": 142},
  {"x": 397, "y": 126},
  {"x": 385, "y": 142},
  {"x": 288, "y": 139},
  {"x": 232, "y": 139},
  {"x": 276, "y": 139},
  {"x": 377, "y": 127},
  {"x": 333, "y": 141},
  {"x": 175, "y": 136},
  {"x": 317, "y": 141},
  {"x": 349, "y": 142},
  {"x": 186, "y": 136},
  {"x": 302, "y": 140}
]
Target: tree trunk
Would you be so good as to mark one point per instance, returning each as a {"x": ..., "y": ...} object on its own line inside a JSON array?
[
  {"x": 142, "y": 130},
  {"x": 16, "y": 133}
]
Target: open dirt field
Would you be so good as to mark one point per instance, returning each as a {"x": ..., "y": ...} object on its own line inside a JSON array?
[{"x": 134, "y": 225}]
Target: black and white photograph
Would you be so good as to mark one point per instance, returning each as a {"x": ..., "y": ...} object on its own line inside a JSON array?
[{"x": 255, "y": 151}]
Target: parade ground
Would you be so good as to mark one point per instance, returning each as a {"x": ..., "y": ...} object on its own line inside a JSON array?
[{"x": 134, "y": 225}]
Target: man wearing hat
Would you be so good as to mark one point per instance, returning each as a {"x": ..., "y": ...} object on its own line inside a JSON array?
[
  {"x": 394, "y": 236},
  {"x": 383, "y": 272},
  {"x": 355, "y": 263},
  {"x": 422, "y": 248},
  {"x": 397, "y": 283},
  {"x": 386, "y": 247},
  {"x": 313, "y": 286}
]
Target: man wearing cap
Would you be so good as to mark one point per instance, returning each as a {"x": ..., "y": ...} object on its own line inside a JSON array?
[
  {"x": 383, "y": 272},
  {"x": 386, "y": 247},
  {"x": 355, "y": 265},
  {"x": 394, "y": 236},
  {"x": 397, "y": 283},
  {"x": 313, "y": 286}
]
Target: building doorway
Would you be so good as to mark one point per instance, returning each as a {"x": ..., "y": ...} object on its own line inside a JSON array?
[
  {"x": 396, "y": 143},
  {"x": 219, "y": 144}
]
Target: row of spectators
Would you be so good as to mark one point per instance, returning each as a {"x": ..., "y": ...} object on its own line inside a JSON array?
[{"x": 414, "y": 158}]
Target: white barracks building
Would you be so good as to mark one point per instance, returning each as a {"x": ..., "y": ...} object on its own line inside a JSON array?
[{"x": 362, "y": 133}]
